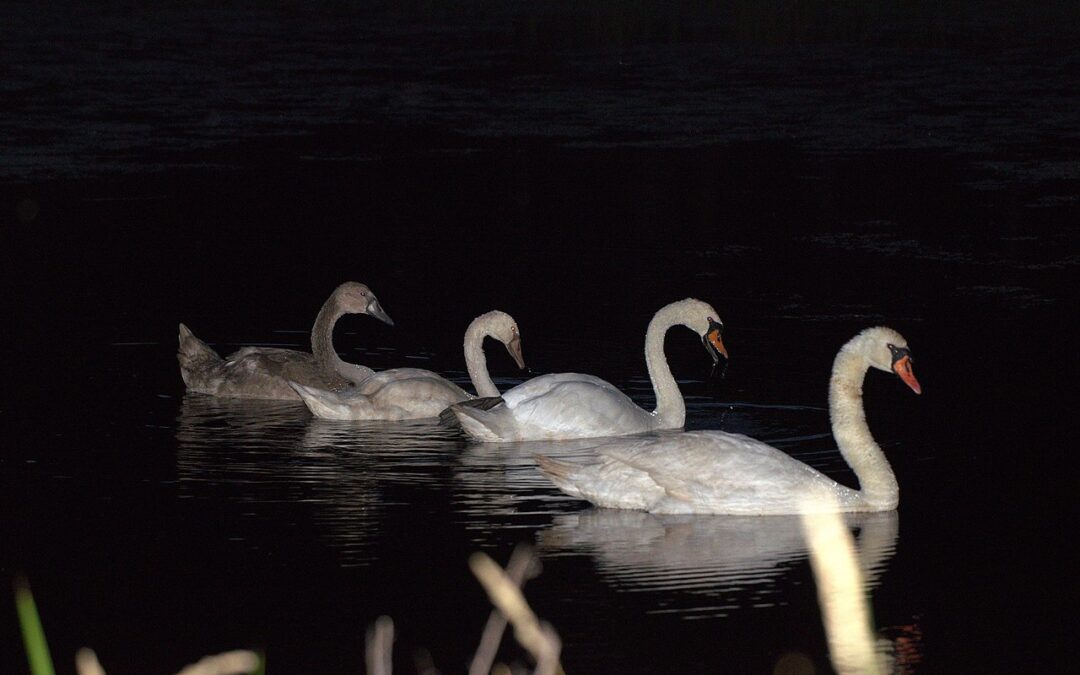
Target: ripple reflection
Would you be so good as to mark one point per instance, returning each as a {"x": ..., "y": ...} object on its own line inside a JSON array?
[
  {"x": 717, "y": 564},
  {"x": 273, "y": 456},
  {"x": 498, "y": 486}
]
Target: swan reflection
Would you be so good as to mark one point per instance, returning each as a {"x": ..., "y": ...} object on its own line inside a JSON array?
[
  {"x": 273, "y": 457},
  {"x": 726, "y": 562},
  {"x": 498, "y": 485},
  {"x": 205, "y": 419},
  {"x": 406, "y": 452},
  {"x": 246, "y": 429}
]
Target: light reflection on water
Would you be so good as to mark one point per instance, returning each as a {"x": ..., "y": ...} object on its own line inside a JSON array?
[
  {"x": 497, "y": 486},
  {"x": 356, "y": 479},
  {"x": 274, "y": 453},
  {"x": 716, "y": 564}
]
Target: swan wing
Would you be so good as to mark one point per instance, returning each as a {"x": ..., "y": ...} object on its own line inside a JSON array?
[
  {"x": 571, "y": 405},
  {"x": 267, "y": 355},
  {"x": 701, "y": 472},
  {"x": 544, "y": 384},
  {"x": 718, "y": 472},
  {"x": 401, "y": 393},
  {"x": 251, "y": 372},
  {"x": 604, "y": 482},
  {"x": 254, "y": 368}
]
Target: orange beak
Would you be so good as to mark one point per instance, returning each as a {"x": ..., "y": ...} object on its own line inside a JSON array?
[
  {"x": 714, "y": 339},
  {"x": 715, "y": 346},
  {"x": 902, "y": 367}
]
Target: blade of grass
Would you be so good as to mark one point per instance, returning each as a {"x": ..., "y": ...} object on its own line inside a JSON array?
[
  {"x": 537, "y": 637},
  {"x": 380, "y": 645},
  {"x": 226, "y": 663},
  {"x": 520, "y": 562},
  {"x": 37, "y": 649},
  {"x": 86, "y": 663}
]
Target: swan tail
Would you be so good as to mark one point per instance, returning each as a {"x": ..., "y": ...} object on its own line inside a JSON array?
[
  {"x": 483, "y": 403},
  {"x": 483, "y": 419},
  {"x": 195, "y": 356},
  {"x": 450, "y": 418},
  {"x": 560, "y": 473},
  {"x": 322, "y": 403},
  {"x": 553, "y": 467}
]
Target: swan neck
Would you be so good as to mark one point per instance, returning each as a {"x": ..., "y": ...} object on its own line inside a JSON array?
[
  {"x": 475, "y": 361},
  {"x": 322, "y": 335},
  {"x": 877, "y": 481},
  {"x": 670, "y": 408}
]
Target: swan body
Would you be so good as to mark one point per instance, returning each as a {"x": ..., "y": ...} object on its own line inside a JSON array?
[
  {"x": 414, "y": 393},
  {"x": 265, "y": 372},
  {"x": 571, "y": 405},
  {"x": 724, "y": 473}
]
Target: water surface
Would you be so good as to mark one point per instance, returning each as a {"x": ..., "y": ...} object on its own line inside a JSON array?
[{"x": 806, "y": 192}]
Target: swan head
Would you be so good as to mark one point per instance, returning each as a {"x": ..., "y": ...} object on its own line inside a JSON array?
[
  {"x": 704, "y": 320},
  {"x": 503, "y": 328},
  {"x": 887, "y": 350},
  {"x": 356, "y": 298}
]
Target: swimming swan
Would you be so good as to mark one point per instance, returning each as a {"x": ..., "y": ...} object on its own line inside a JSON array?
[
  {"x": 264, "y": 372},
  {"x": 412, "y": 393},
  {"x": 717, "y": 472},
  {"x": 571, "y": 405}
]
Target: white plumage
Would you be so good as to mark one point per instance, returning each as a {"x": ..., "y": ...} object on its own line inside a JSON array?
[
  {"x": 724, "y": 473},
  {"x": 572, "y": 405},
  {"x": 414, "y": 393}
]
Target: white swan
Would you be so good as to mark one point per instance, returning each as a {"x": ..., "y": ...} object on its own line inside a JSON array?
[
  {"x": 264, "y": 372},
  {"x": 717, "y": 472},
  {"x": 413, "y": 393},
  {"x": 571, "y": 405}
]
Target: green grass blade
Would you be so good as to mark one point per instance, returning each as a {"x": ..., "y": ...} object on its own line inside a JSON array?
[{"x": 37, "y": 650}]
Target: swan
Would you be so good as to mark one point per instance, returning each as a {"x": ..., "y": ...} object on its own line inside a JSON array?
[
  {"x": 570, "y": 405},
  {"x": 264, "y": 372},
  {"x": 413, "y": 393},
  {"x": 723, "y": 473}
]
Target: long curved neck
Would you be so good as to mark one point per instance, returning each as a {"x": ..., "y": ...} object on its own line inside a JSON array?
[
  {"x": 322, "y": 336},
  {"x": 670, "y": 408},
  {"x": 877, "y": 481},
  {"x": 475, "y": 361}
]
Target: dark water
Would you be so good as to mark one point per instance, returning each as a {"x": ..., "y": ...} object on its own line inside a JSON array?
[{"x": 229, "y": 167}]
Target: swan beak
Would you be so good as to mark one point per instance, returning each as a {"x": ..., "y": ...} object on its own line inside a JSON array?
[
  {"x": 376, "y": 310},
  {"x": 714, "y": 345},
  {"x": 514, "y": 347},
  {"x": 902, "y": 367}
]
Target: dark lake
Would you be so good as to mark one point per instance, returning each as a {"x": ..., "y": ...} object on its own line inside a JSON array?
[{"x": 228, "y": 165}]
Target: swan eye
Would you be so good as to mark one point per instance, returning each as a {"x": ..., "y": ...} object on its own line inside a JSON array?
[{"x": 899, "y": 353}]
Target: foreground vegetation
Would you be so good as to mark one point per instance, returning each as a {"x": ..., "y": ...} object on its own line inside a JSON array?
[{"x": 503, "y": 587}]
